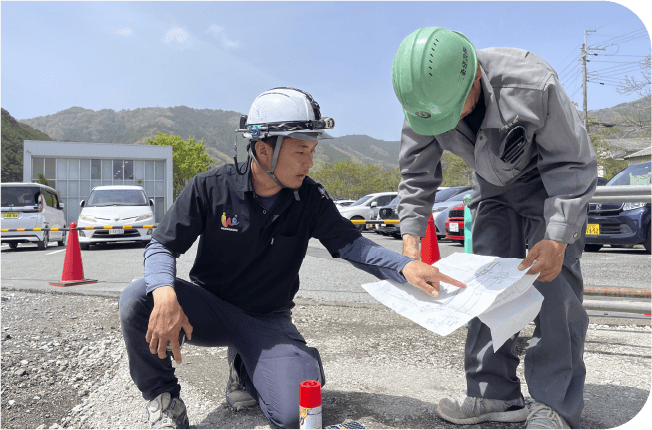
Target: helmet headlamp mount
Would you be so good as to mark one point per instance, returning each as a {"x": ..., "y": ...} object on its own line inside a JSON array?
[{"x": 281, "y": 112}]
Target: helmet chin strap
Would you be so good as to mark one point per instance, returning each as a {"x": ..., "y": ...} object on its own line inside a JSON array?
[{"x": 270, "y": 172}]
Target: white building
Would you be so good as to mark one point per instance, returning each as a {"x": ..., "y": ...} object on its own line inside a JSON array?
[{"x": 74, "y": 169}]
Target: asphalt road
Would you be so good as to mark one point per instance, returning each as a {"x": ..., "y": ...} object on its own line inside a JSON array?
[{"x": 323, "y": 279}]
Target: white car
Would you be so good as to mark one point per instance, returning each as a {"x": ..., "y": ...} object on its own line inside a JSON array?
[
  {"x": 367, "y": 207},
  {"x": 115, "y": 205},
  {"x": 343, "y": 202},
  {"x": 31, "y": 205}
]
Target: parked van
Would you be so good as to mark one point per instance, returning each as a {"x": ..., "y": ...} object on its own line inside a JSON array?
[{"x": 30, "y": 205}]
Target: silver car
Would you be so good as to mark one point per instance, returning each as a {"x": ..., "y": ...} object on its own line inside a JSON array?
[{"x": 28, "y": 206}]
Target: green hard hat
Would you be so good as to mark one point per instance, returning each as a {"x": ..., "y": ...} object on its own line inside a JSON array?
[{"x": 432, "y": 75}]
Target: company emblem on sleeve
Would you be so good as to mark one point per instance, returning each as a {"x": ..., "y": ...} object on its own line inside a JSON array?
[
  {"x": 323, "y": 192},
  {"x": 230, "y": 223}
]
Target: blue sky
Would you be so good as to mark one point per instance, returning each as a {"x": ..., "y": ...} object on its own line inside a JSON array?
[{"x": 220, "y": 55}]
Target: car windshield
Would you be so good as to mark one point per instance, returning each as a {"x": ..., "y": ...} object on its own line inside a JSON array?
[
  {"x": 638, "y": 174},
  {"x": 394, "y": 201},
  {"x": 361, "y": 201},
  {"x": 117, "y": 198},
  {"x": 445, "y": 194},
  {"x": 459, "y": 197},
  {"x": 20, "y": 196}
]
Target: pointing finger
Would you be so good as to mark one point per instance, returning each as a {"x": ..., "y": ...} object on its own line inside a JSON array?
[{"x": 444, "y": 278}]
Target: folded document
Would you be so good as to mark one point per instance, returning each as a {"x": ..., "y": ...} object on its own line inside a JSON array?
[{"x": 496, "y": 292}]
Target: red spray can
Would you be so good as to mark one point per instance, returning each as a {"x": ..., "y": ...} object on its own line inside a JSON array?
[{"x": 310, "y": 405}]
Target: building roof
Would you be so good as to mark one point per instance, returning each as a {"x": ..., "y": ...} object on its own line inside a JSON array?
[
  {"x": 635, "y": 144},
  {"x": 642, "y": 153}
]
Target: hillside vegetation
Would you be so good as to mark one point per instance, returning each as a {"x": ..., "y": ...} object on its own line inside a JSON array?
[{"x": 13, "y": 135}]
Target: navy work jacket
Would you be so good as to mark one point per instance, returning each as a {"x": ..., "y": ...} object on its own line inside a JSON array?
[{"x": 248, "y": 256}]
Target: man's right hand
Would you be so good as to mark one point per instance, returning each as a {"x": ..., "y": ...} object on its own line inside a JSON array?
[
  {"x": 411, "y": 246},
  {"x": 165, "y": 323}
]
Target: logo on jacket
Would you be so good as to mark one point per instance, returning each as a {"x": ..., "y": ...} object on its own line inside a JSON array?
[{"x": 228, "y": 222}]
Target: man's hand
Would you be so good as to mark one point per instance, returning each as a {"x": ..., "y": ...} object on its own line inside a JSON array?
[
  {"x": 411, "y": 246},
  {"x": 427, "y": 277},
  {"x": 165, "y": 323},
  {"x": 550, "y": 258}
]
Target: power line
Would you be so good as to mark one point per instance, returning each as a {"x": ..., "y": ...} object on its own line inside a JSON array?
[
  {"x": 623, "y": 35},
  {"x": 617, "y": 68}
]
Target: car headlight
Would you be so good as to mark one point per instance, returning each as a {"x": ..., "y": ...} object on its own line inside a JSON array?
[
  {"x": 630, "y": 206},
  {"x": 144, "y": 216},
  {"x": 439, "y": 209},
  {"x": 87, "y": 218}
]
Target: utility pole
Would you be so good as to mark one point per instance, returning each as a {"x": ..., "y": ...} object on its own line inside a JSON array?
[{"x": 585, "y": 48}]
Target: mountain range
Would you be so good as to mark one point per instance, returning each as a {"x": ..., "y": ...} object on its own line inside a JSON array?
[{"x": 216, "y": 127}]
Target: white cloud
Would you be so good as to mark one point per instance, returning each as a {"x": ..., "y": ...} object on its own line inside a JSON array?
[
  {"x": 177, "y": 34},
  {"x": 124, "y": 32},
  {"x": 219, "y": 33}
]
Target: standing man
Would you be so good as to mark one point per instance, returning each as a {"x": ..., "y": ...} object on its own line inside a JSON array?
[
  {"x": 254, "y": 221},
  {"x": 505, "y": 113}
]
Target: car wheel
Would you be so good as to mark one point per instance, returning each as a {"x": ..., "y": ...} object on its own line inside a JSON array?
[
  {"x": 62, "y": 242},
  {"x": 13, "y": 245},
  {"x": 647, "y": 246},
  {"x": 589, "y": 247},
  {"x": 84, "y": 246},
  {"x": 44, "y": 243},
  {"x": 360, "y": 227}
]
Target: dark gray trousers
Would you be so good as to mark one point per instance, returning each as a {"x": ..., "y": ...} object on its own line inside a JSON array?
[
  {"x": 504, "y": 219},
  {"x": 273, "y": 356}
]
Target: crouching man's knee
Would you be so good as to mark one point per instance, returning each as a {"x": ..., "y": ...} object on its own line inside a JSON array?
[{"x": 133, "y": 302}]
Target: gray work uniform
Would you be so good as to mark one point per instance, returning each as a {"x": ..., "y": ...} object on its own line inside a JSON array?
[{"x": 535, "y": 172}]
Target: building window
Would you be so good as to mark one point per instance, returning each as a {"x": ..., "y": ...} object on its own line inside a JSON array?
[
  {"x": 50, "y": 168},
  {"x": 37, "y": 168},
  {"x": 129, "y": 169},
  {"x": 96, "y": 169}
]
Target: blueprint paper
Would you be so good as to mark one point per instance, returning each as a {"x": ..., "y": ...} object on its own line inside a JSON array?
[
  {"x": 509, "y": 318},
  {"x": 493, "y": 284}
]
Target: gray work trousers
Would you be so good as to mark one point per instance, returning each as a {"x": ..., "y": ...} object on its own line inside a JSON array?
[{"x": 504, "y": 219}]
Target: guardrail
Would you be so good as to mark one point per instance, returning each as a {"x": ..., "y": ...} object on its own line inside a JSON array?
[
  {"x": 623, "y": 194},
  {"x": 105, "y": 227}
]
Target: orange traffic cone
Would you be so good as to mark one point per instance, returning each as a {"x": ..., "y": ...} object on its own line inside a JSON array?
[
  {"x": 73, "y": 270},
  {"x": 429, "y": 245}
]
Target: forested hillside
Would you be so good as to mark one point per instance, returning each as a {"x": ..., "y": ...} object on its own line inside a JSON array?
[{"x": 13, "y": 135}]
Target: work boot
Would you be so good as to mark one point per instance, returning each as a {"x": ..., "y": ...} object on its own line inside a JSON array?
[
  {"x": 473, "y": 410},
  {"x": 165, "y": 412},
  {"x": 544, "y": 417},
  {"x": 236, "y": 394}
]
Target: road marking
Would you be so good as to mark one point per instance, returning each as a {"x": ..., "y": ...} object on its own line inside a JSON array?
[{"x": 50, "y": 253}]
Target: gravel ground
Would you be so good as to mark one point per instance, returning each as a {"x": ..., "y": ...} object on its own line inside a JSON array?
[{"x": 64, "y": 365}]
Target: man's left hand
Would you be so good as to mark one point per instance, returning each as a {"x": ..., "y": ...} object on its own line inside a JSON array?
[{"x": 550, "y": 258}]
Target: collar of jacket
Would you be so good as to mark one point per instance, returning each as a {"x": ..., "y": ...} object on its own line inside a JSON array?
[{"x": 492, "y": 118}]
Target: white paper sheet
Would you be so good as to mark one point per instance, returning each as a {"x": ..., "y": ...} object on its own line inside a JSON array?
[{"x": 497, "y": 292}]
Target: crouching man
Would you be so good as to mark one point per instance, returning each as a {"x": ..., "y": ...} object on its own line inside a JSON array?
[{"x": 254, "y": 220}]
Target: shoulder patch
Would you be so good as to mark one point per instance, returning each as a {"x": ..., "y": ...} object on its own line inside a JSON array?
[{"x": 323, "y": 192}]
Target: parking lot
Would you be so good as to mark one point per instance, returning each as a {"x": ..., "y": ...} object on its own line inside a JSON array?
[{"x": 323, "y": 279}]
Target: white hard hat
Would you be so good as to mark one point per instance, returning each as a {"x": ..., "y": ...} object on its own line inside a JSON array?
[{"x": 286, "y": 112}]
